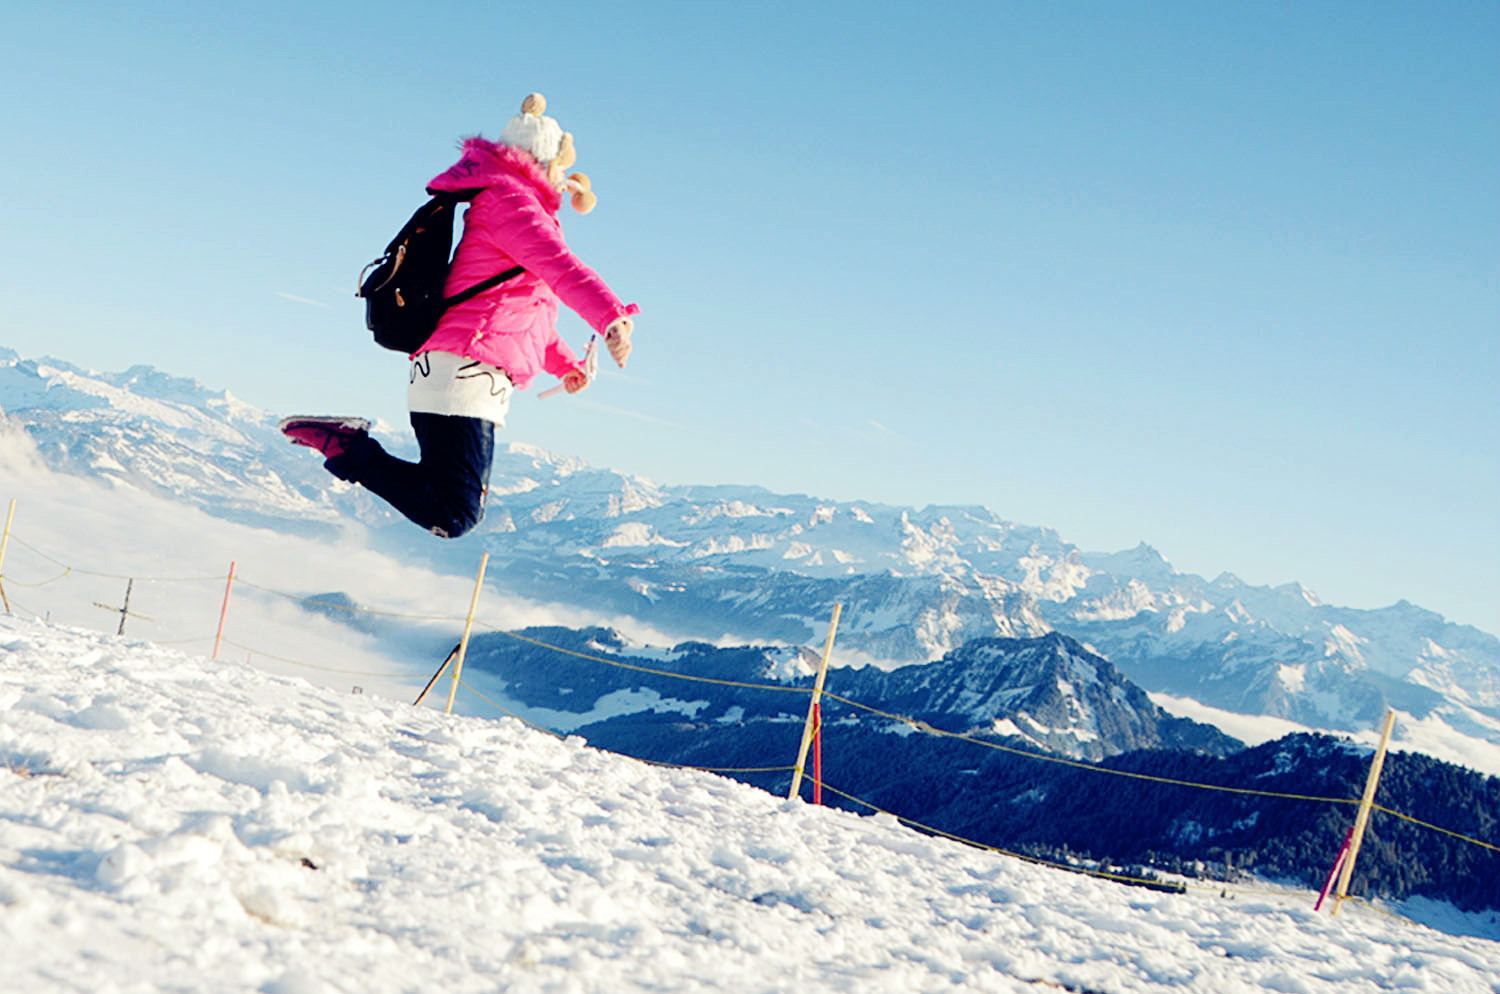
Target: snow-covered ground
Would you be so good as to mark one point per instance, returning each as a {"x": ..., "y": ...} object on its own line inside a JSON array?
[{"x": 173, "y": 823}]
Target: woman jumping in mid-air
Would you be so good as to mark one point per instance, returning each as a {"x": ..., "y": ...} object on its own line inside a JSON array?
[{"x": 491, "y": 344}]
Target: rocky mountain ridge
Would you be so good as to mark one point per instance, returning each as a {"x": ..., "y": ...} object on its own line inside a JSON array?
[{"x": 1048, "y": 693}]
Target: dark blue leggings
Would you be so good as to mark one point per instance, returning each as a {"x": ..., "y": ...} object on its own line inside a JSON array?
[{"x": 443, "y": 492}]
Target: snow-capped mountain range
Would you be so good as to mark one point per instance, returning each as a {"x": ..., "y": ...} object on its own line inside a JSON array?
[{"x": 742, "y": 564}]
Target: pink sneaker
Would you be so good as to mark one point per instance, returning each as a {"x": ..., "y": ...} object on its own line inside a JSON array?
[{"x": 329, "y": 435}]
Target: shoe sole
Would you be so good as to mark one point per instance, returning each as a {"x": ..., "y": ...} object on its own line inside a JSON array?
[{"x": 324, "y": 421}]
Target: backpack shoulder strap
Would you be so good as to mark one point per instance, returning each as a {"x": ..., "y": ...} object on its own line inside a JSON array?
[
  {"x": 481, "y": 286},
  {"x": 457, "y": 197}
]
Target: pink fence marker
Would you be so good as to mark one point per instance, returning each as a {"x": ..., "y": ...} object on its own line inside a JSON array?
[
  {"x": 1333, "y": 873},
  {"x": 818, "y": 753}
]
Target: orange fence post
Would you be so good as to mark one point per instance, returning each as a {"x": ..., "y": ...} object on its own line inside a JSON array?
[{"x": 224, "y": 611}]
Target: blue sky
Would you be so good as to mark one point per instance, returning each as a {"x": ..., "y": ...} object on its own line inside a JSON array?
[{"x": 1218, "y": 277}]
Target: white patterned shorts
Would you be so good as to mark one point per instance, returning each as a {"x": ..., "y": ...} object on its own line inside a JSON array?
[{"x": 444, "y": 383}]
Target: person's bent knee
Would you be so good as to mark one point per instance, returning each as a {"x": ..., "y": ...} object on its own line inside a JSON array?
[{"x": 456, "y": 526}]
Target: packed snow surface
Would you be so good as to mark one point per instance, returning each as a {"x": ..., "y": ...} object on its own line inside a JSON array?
[{"x": 174, "y": 823}]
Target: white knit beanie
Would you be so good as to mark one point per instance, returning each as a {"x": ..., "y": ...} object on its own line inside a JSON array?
[{"x": 534, "y": 132}]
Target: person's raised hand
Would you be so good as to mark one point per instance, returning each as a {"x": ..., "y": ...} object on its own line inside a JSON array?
[{"x": 617, "y": 339}]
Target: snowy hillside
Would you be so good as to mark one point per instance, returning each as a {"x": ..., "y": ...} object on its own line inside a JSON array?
[
  {"x": 161, "y": 435},
  {"x": 171, "y": 823},
  {"x": 744, "y": 565}
]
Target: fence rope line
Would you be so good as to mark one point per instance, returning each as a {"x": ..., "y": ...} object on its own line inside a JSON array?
[
  {"x": 330, "y": 605},
  {"x": 1436, "y": 828},
  {"x": 313, "y": 666},
  {"x": 1122, "y": 877},
  {"x": 1371, "y": 906},
  {"x": 923, "y": 726},
  {"x": 718, "y": 769},
  {"x": 1186, "y": 885},
  {"x": 646, "y": 669},
  {"x": 35, "y": 614},
  {"x": 649, "y": 762},
  {"x": 67, "y": 568},
  {"x": 67, "y": 571},
  {"x": 500, "y": 707}
]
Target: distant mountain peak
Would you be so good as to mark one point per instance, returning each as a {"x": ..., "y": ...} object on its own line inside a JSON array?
[
  {"x": 563, "y": 465},
  {"x": 1050, "y": 690}
]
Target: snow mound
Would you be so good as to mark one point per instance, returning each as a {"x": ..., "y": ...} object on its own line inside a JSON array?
[{"x": 174, "y": 823}]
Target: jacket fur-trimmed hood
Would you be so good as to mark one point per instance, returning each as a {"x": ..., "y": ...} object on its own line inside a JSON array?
[{"x": 485, "y": 163}]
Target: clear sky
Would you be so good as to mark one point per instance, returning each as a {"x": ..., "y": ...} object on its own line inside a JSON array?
[{"x": 1221, "y": 277}]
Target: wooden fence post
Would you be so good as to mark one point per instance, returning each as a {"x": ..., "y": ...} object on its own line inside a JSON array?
[
  {"x": 124, "y": 611},
  {"x": 463, "y": 643},
  {"x": 812, "y": 707},
  {"x": 1363, "y": 818}
]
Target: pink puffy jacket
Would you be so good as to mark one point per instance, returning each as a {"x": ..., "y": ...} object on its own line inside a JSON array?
[{"x": 513, "y": 222}]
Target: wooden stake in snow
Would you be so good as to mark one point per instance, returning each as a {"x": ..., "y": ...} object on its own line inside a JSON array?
[
  {"x": 124, "y": 611},
  {"x": 1363, "y": 818},
  {"x": 812, "y": 708},
  {"x": 440, "y": 670},
  {"x": 463, "y": 643}
]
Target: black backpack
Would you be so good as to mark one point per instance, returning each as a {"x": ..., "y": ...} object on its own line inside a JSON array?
[{"x": 403, "y": 288}]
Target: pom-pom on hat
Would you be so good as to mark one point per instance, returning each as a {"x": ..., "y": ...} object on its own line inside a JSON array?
[
  {"x": 534, "y": 132},
  {"x": 552, "y": 148}
]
